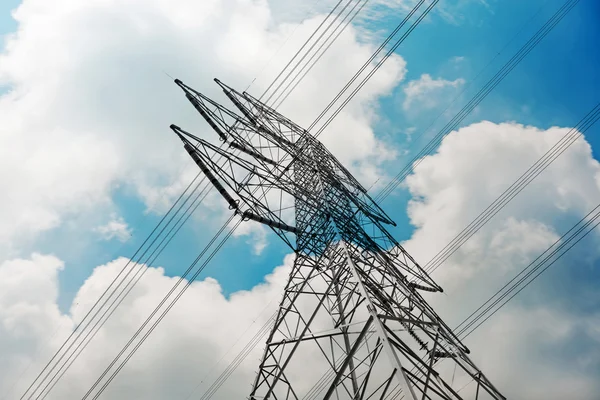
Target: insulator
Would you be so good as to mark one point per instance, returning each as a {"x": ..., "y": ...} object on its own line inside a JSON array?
[
  {"x": 274, "y": 224},
  {"x": 208, "y": 119},
  {"x": 424, "y": 288},
  {"x": 414, "y": 336},
  {"x": 441, "y": 354},
  {"x": 276, "y": 137},
  {"x": 253, "y": 153},
  {"x": 232, "y": 203},
  {"x": 418, "y": 339},
  {"x": 243, "y": 109}
]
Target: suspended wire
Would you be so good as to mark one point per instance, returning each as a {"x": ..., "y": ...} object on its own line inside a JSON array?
[
  {"x": 285, "y": 93},
  {"x": 125, "y": 291},
  {"x": 379, "y": 64},
  {"x": 290, "y": 72},
  {"x": 114, "y": 374},
  {"x": 57, "y": 328},
  {"x": 300, "y": 50},
  {"x": 481, "y": 71},
  {"x": 181, "y": 280},
  {"x": 285, "y": 42},
  {"x": 479, "y": 97},
  {"x": 24, "y": 371},
  {"x": 376, "y": 68},
  {"x": 241, "y": 356},
  {"x": 524, "y": 278},
  {"x": 554, "y": 253},
  {"x": 85, "y": 322},
  {"x": 231, "y": 348},
  {"x": 513, "y": 190},
  {"x": 77, "y": 331},
  {"x": 518, "y": 283},
  {"x": 367, "y": 64}
]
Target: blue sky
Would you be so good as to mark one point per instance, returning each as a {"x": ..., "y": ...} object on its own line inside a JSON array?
[
  {"x": 109, "y": 106},
  {"x": 7, "y": 23},
  {"x": 535, "y": 93}
]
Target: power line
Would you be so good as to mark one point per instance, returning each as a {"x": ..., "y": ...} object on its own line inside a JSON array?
[
  {"x": 285, "y": 93},
  {"x": 285, "y": 42},
  {"x": 367, "y": 63},
  {"x": 482, "y": 70},
  {"x": 231, "y": 348},
  {"x": 240, "y": 357},
  {"x": 125, "y": 292},
  {"x": 300, "y": 50},
  {"x": 91, "y": 313},
  {"x": 514, "y": 189},
  {"x": 375, "y": 69},
  {"x": 162, "y": 302},
  {"x": 290, "y": 72},
  {"x": 479, "y": 97},
  {"x": 524, "y": 278},
  {"x": 219, "y": 247},
  {"x": 99, "y": 324}
]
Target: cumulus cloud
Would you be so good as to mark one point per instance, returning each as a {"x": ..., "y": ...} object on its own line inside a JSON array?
[
  {"x": 425, "y": 93},
  {"x": 199, "y": 337},
  {"x": 472, "y": 167},
  {"x": 30, "y": 320},
  {"x": 257, "y": 233},
  {"x": 116, "y": 228}
]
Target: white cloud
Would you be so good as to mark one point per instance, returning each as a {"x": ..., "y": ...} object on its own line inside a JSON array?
[
  {"x": 90, "y": 105},
  {"x": 184, "y": 348},
  {"x": 116, "y": 228},
  {"x": 426, "y": 92},
  {"x": 257, "y": 233},
  {"x": 519, "y": 348},
  {"x": 474, "y": 165}
]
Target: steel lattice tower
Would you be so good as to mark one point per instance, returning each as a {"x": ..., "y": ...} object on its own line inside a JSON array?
[{"x": 352, "y": 323}]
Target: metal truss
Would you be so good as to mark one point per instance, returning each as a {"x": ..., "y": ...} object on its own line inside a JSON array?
[{"x": 353, "y": 323}]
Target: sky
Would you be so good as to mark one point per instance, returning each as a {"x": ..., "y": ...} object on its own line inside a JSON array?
[{"x": 89, "y": 167}]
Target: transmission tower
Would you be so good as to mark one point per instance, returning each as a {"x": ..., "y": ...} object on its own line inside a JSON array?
[{"x": 352, "y": 323}]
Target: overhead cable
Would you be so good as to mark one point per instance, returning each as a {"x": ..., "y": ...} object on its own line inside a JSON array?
[
  {"x": 479, "y": 97},
  {"x": 153, "y": 326},
  {"x": 368, "y": 63},
  {"x": 105, "y": 296},
  {"x": 316, "y": 57},
  {"x": 86, "y": 322},
  {"x": 525, "y": 277},
  {"x": 513, "y": 190}
]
